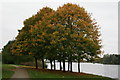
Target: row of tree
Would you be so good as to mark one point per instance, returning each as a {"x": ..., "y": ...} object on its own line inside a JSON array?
[{"x": 67, "y": 34}]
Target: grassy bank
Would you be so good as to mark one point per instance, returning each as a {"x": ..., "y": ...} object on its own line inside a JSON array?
[
  {"x": 7, "y": 70},
  {"x": 33, "y": 73},
  {"x": 0, "y": 69},
  {"x": 40, "y": 73}
]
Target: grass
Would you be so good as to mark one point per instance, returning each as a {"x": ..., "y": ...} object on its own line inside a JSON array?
[
  {"x": 0, "y": 69},
  {"x": 7, "y": 70},
  {"x": 59, "y": 75},
  {"x": 33, "y": 73}
]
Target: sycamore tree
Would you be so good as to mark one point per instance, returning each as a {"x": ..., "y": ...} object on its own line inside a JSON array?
[
  {"x": 28, "y": 42},
  {"x": 82, "y": 33}
]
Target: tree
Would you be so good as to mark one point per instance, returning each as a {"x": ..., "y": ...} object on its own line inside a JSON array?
[
  {"x": 9, "y": 58},
  {"x": 79, "y": 31},
  {"x": 27, "y": 41}
]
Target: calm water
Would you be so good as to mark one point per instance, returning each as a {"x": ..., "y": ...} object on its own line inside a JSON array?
[{"x": 97, "y": 69}]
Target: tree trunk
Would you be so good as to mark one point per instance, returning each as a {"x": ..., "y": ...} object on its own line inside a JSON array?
[
  {"x": 54, "y": 64},
  {"x": 60, "y": 66},
  {"x": 36, "y": 62},
  {"x": 51, "y": 64},
  {"x": 63, "y": 65},
  {"x": 68, "y": 65},
  {"x": 71, "y": 66},
  {"x": 78, "y": 65},
  {"x": 43, "y": 64}
]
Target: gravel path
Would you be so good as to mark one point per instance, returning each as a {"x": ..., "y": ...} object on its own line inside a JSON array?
[{"x": 20, "y": 74}]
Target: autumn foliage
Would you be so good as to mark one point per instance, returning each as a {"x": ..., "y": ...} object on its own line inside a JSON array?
[{"x": 67, "y": 34}]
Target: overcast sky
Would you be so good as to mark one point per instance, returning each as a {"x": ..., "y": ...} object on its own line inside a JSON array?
[{"x": 12, "y": 15}]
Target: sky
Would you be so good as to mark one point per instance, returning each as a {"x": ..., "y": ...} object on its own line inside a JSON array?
[{"x": 13, "y": 13}]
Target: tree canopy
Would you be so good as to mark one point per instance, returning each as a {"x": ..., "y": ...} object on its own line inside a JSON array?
[
  {"x": 67, "y": 34},
  {"x": 9, "y": 58}
]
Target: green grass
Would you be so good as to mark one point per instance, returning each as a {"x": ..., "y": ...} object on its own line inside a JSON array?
[
  {"x": 7, "y": 70},
  {"x": 0, "y": 69},
  {"x": 34, "y": 73},
  {"x": 59, "y": 74}
]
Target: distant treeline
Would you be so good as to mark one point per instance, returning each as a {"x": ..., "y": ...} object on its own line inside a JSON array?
[{"x": 109, "y": 59}]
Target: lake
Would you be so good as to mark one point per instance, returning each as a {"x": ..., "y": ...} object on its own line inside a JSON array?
[{"x": 93, "y": 68}]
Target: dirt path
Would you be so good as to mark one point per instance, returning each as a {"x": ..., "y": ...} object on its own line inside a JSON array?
[{"x": 20, "y": 73}]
